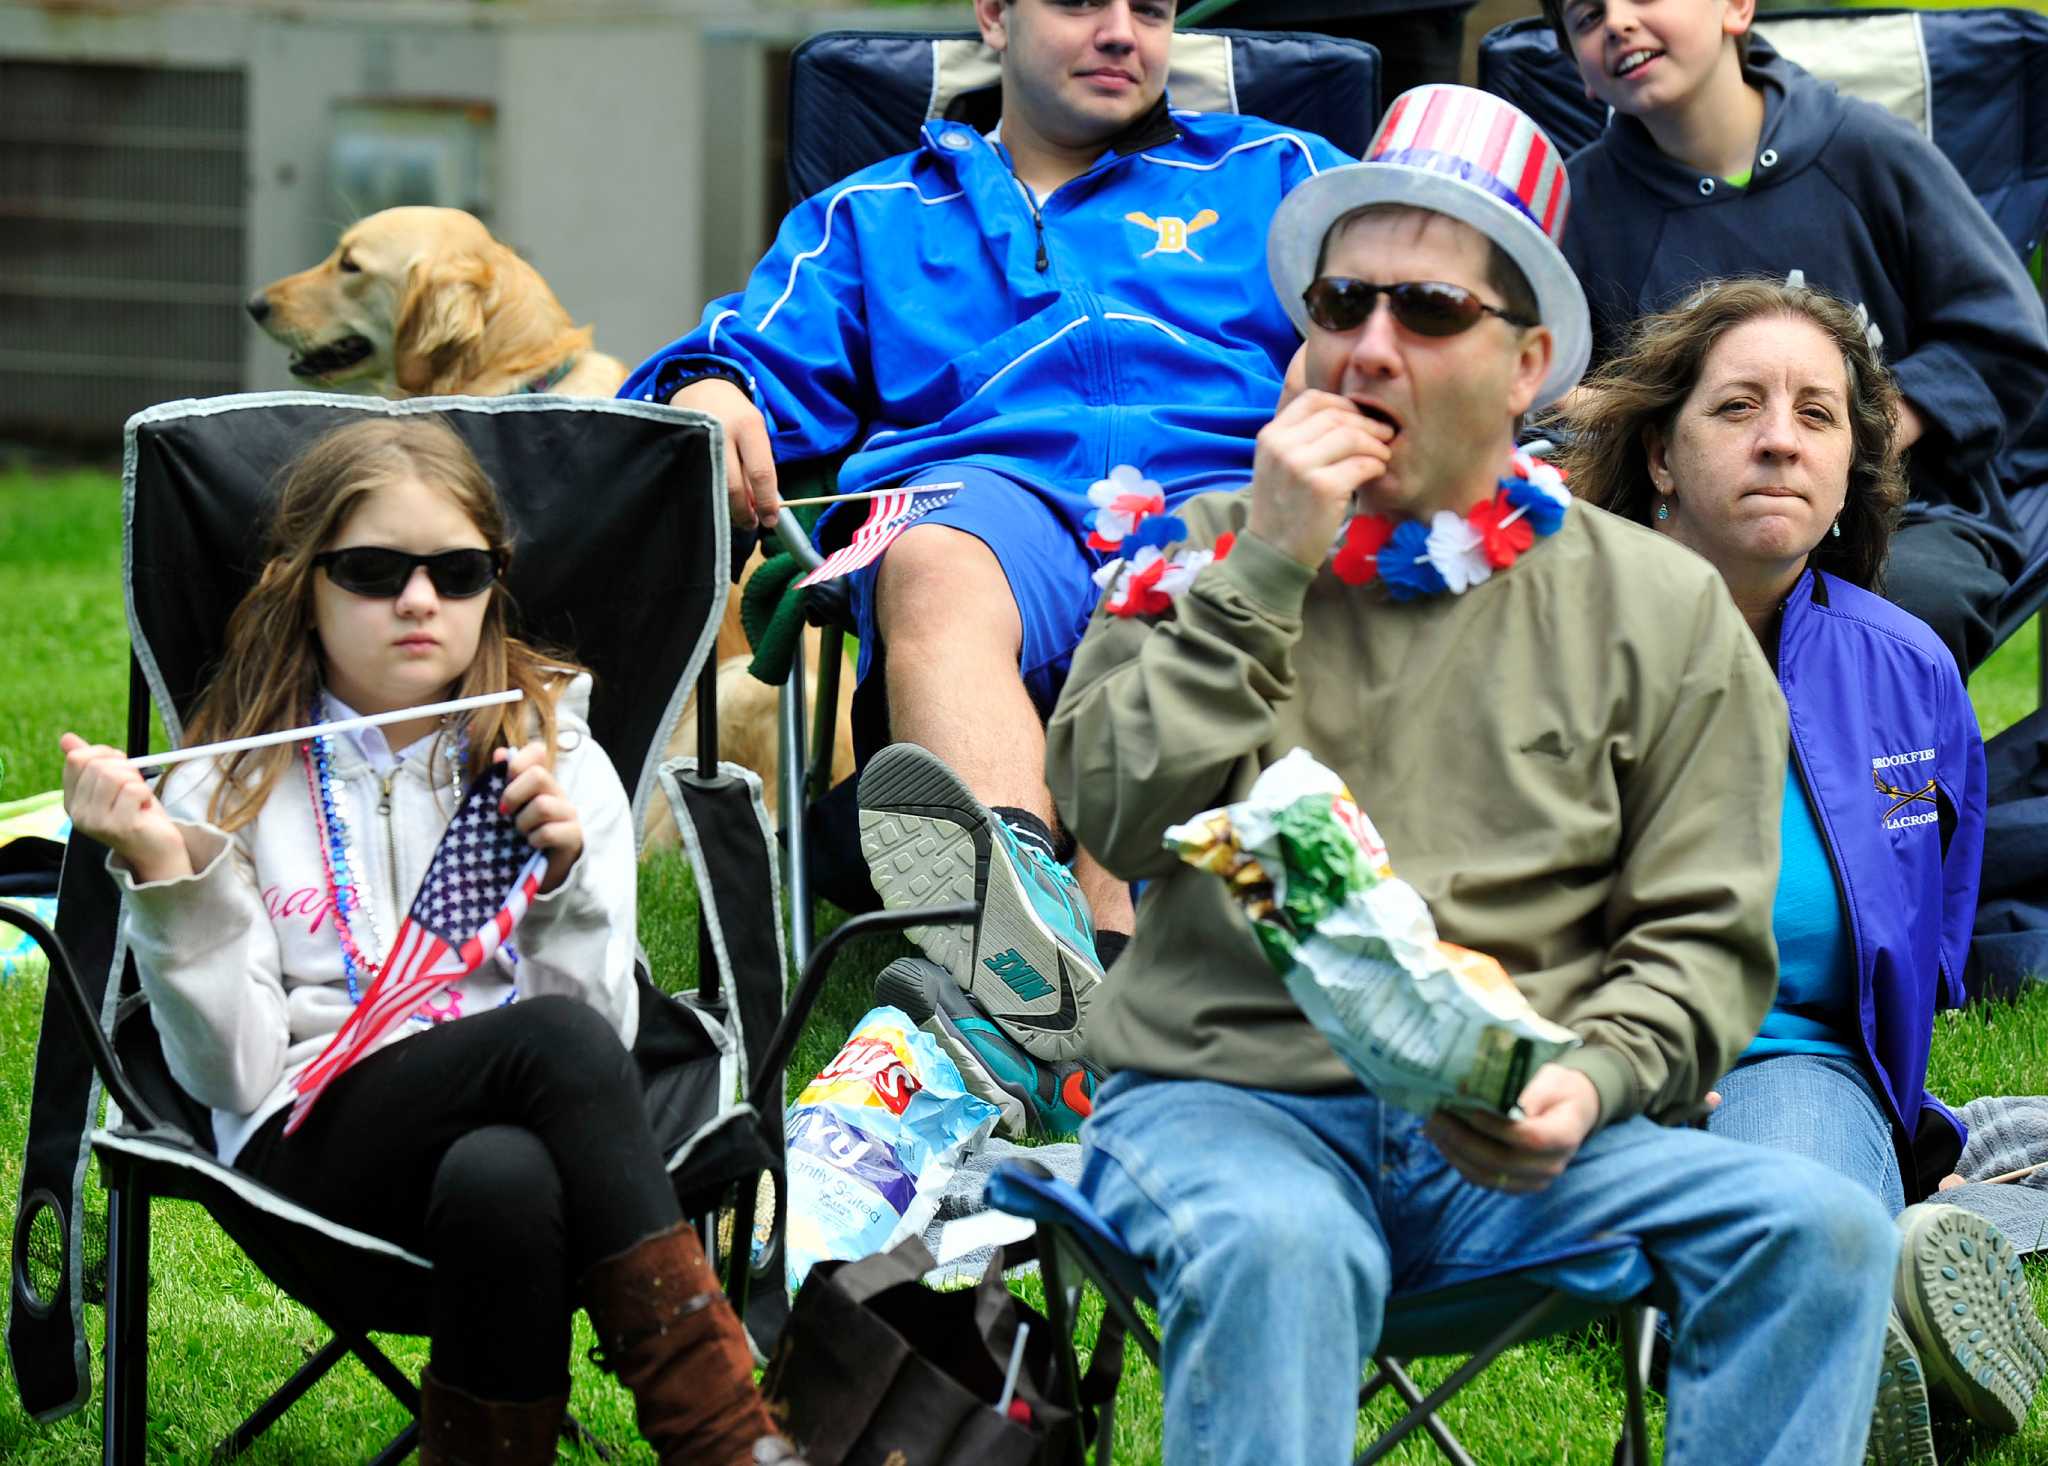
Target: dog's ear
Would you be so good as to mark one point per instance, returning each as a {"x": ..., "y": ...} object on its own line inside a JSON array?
[{"x": 440, "y": 321}]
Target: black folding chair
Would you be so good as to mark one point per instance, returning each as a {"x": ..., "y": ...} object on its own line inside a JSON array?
[
  {"x": 621, "y": 510},
  {"x": 857, "y": 97}
]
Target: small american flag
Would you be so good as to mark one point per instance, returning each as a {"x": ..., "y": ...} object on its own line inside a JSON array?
[
  {"x": 888, "y": 516},
  {"x": 479, "y": 883}
]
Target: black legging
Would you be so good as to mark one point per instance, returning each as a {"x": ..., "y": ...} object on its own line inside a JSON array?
[{"x": 511, "y": 1151}]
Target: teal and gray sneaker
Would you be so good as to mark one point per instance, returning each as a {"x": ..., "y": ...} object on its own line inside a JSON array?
[
  {"x": 1035, "y": 1098},
  {"x": 1901, "y": 1426},
  {"x": 1962, "y": 1293},
  {"x": 1030, "y": 960}
]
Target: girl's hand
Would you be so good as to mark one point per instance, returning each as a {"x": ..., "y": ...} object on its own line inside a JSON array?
[
  {"x": 114, "y": 804},
  {"x": 541, "y": 809}
]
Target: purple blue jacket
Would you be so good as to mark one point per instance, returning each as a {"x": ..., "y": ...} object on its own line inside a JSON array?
[{"x": 1885, "y": 737}]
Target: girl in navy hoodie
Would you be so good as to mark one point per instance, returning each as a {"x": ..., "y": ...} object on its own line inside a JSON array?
[{"x": 1723, "y": 158}]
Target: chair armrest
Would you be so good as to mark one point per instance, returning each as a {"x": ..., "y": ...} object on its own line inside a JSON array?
[{"x": 64, "y": 982}]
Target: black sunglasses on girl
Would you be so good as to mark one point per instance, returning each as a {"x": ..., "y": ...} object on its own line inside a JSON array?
[
  {"x": 1426, "y": 307},
  {"x": 372, "y": 570}
]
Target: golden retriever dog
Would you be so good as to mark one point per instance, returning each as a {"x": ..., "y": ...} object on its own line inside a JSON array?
[{"x": 421, "y": 302}]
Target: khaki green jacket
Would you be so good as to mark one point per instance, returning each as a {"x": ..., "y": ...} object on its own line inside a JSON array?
[{"x": 1577, "y": 763}]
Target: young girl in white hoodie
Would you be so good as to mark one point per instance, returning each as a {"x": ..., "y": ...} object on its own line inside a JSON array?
[{"x": 503, "y": 1140}]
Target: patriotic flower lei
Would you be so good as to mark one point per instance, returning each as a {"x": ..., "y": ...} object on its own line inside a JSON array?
[
  {"x": 1453, "y": 553},
  {"x": 1130, "y": 516},
  {"x": 1450, "y": 554},
  {"x": 344, "y": 897}
]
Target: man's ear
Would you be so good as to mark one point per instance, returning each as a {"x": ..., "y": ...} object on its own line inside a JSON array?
[
  {"x": 1737, "y": 16},
  {"x": 993, "y": 16},
  {"x": 1532, "y": 364},
  {"x": 439, "y": 319}
]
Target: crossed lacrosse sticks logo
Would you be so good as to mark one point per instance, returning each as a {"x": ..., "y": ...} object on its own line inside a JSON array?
[{"x": 1902, "y": 797}]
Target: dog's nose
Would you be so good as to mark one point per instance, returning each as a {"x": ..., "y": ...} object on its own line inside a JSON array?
[{"x": 258, "y": 307}]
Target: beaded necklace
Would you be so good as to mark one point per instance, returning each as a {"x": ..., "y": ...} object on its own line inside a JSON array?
[{"x": 344, "y": 897}]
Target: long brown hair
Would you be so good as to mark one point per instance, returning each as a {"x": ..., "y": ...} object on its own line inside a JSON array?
[
  {"x": 271, "y": 668},
  {"x": 1641, "y": 391}
]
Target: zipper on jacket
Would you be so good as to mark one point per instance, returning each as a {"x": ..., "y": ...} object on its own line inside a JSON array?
[
  {"x": 390, "y": 836},
  {"x": 1037, "y": 225},
  {"x": 1820, "y": 819}
]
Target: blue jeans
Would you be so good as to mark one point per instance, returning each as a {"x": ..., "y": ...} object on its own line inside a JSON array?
[
  {"x": 1273, "y": 1227},
  {"x": 1818, "y": 1106}
]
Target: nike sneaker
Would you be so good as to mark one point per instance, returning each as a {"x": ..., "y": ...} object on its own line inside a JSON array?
[
  {"x": 1037, "y": 1099},
  {"x": 1029, "y": 960}
]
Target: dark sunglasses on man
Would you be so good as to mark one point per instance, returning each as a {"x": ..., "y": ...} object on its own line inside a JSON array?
[
  {"x": 1426, "y": 307},
  {"x": 378, "y": 572}
]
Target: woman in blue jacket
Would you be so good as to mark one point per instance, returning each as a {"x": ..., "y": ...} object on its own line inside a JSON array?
[{"x": 1754, "y": 424}]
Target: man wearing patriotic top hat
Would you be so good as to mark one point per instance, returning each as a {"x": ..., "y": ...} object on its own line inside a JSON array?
[{"x": 1573, "y": 788}]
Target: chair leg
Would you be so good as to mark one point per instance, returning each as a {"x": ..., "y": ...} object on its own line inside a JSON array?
[
  {"x": 793, "y": 782},
  {"x": 825, "y": 718},
  {"x": 1638, "y": 1339},
  {"x": 1060, "y": 1315},
  {"x": 265, "y": 1415},
  {"x": 124, "y": 1429},
  {"x": 1423, "y": 1411},
  {"x": 402, "y": 1445},
  {"x": 382, "y": 1369},
  {"x": 739, "y": 1267},
  {"x": 576, "y": 1433},
  {"x": 1392, "y": 1374}
]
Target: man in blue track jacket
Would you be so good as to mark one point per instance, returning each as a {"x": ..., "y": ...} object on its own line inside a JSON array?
[{"x": 1077, "y": 298}]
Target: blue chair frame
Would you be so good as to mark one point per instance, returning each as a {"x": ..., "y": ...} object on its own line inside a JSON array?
[{"x": 1566, "y": 1292}]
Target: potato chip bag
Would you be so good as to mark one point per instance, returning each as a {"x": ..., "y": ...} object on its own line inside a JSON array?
[
  {"x": 873, "y": 1140},
  {"x": 1421, "y": 1022}
]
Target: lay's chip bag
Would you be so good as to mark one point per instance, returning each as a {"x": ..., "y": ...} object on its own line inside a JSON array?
[{"x": 873, "y": 1141}]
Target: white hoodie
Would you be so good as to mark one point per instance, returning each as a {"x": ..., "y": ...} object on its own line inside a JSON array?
[{"x": 242, "y": 963}]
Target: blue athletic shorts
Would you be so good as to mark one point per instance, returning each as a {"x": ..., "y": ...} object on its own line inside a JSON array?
[{"x": 1040, "y": 540}]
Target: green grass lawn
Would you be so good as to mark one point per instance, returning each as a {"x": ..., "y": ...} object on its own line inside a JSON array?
[{"x": 223, "y": 1336}]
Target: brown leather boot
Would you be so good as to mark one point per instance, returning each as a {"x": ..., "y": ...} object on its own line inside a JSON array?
[
  {"x": 458, "y": 1429},
  {"x": 667, "y": 1332}
]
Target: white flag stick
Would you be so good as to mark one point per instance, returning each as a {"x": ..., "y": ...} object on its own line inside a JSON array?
[
  {"x": 1016, "y": 1364},
  {"x": 2020, "y": 1175},
  {"x": 346, "y": 725},
  {"x": 865, "y": 494}
]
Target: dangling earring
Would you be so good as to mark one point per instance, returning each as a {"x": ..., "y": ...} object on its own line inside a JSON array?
[
  {"x": 1663, "y": 509},
  {"x": 1837, "y": 530}
]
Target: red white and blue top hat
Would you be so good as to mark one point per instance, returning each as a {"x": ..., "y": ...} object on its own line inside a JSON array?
[{"x": 1476, "y": 158}]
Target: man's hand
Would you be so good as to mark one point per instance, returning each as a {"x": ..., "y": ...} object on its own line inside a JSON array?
[
  {"x": 541, "y": 809},
  {"x": 112, "y": 802},
  {"x": 1296, "y": 381},
  {"x": 1560, "y": 1107},
  {"x": 1311, "y": 461},
  {"x": 749, "y": 462}
]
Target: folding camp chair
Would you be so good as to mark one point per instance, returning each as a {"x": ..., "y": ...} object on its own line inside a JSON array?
[
  {"x": 1480, "y": 1318},
  {"x": 858, "y": 97},
  {"x": 604, "y": 495},
  {"x": 1974, "y": 82}
]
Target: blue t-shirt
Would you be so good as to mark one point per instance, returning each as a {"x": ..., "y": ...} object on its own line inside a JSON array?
[{"x": 1815, "y": 1011}]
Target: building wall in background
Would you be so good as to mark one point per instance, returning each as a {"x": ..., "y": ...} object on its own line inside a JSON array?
[{"x": 156, "y": 166}]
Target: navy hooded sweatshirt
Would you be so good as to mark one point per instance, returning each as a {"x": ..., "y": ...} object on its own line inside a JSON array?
[{"x": 1870, "y": 211}]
